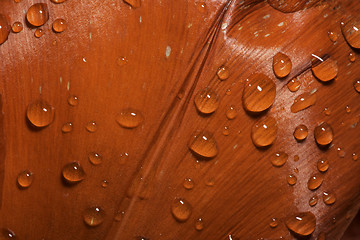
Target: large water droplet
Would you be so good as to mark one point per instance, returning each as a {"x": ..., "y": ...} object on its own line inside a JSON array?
[
  {"x": 291, "y": 179},
  {"x": 264, "y": 132},
  {"x": 17, "y": 27},
  {"x": 323, "y": 165},
  {"x": 294, "y": 84},
  {"x": 231, "y": 113},
  {"x": 203, "y": 144},
  {"x": 329, "y": 198},
  {"x": 315, "y": 181},
  {"x": 40, "y": 113},
  {"x": 223, "y": 73},
  {"x": 357, "y": 86},
  {"x": 281, "y": 65},
  {"x": 324, "y": 70},
  {"x": 91, "y": 127},
  {"x": 301, "y": 132},
  {"x": 181, "y": 209},
  {"x": 94, "y": 216},
  {"x": 25, "y": 179},
  {"x": 67, "y": 127},
  {"x": 7, "y": 234},
  {"x": 188, "y": 183},
  {"x": 350, "y": 30},
  {"x": 133, "y": 3},
  {"x": 4, "y": 29},
  {"x": 302, "y": 224},
  {"x": 279, "y": 159},
  {"x": 95, "y": 158},
  {"x": 38, "y": 14},
  {"x": 313, "y": 200},
  {"x": 199, "y": 224},
  {"x": 206, "y": 101},
  {"x": 259, "y": 93},
  {"x": 73, "y": 172},
  {"x": 129, "y": 118},
  {"x": 323, "y": 134},
  {"x": 303, "y": 101},
  {"x": 59, "y": 25},
  {"x": 39, "y": 33}
]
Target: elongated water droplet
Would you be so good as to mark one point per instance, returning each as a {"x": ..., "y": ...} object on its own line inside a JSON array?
[
  {"x": 203, "y": 144},
  {"x": 303, "y": 223},
  {"x": 281, "y": 65},
  {"x": 323, "y": 165},
  {"x": 7, "y": 234},
  {"x": 329, "y": 198},
  {"x": 274, "y": 223},
  {"x": 303, "y": 101},
  {"x": 17, "y": 27},
  {"x": 188, "y": 184},
  {"x": 59, "y": 25},
  {"x": 73, "y": 172},
  {"x": 324, "y": 70},
  {"x": 259, "y": 93},
  {"x": 313, "y": 201},
  {"x": 223, "y": 73},
  {"x": 291, "y": 179},
  {"x": 95, "y": 158},
  {"x": 38, "y": 14},
  {"x": 206, "y": 101},
  {"x": 40, "y": 113},
  {"x": 357, "y": 86},
  {"x": 133, "y": 3},
  {"x": 231, "y": 113},
  {"x": 199, "y": 224},
  {"x": 91, "y": 127},
  {"x": 333, "y": 36},
  {"x": 94, "y": 216},
  {"x": 58, "y": 1},
  {"x": 315, "y": 181},
  {"x": 39, "y": 33},
  {"x": 301, "y": 132},
  {"x": 352, "y": 57},
  {"x": 4, "y": 29},
  {"x": 323, "y": 134},
  {"x": 294, "y": 85},
  {"x": 67, "y": 127},
  {"x": 350, "y": 30},
  {"x": 181, "y": 209},
  {"x": 355, "y": 156},
  {"x": 279, "y": 159},
  {"x": 264, "y": 132},
  {"x": 25, "y": 179},
  {"x": 129, "y": 118}
]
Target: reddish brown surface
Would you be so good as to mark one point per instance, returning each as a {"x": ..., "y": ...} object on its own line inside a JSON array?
[{"x": 248, "y": 191}]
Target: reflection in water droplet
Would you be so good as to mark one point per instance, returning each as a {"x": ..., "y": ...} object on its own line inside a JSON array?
[
  {"x": 323, "y": 134},
  {"x": 347, "y": 109},
  {"x": 133, "y": 3},
  {"x": 4, "y": 29},
  {"x": 303, "y": 223},
  {"x": 91, "y": 127},
  {"x": 7, "y": 234},
  {"x": 323, "y": 165},
  {"x": 329, "y": 198},
  {"x": 16, "y": 27},
  {"x": 39, "y": 33},
  {"x": 315, "y": 181},
  {"x": 333, "y": 36},
  {"x": 301, "y": 132},
  {"x": 199, "y": 224},
  {"x": 38, "y": 14},
  {"x": 95, "y": 158},
  {"x": 73, "y": 172},
  {"x": 303, "y": 101},
  {"x": 40, "y": 113},
  {"x": 129, "y": 118},
  {"x": 59, "y": 25},
  {"x": 313, "y": 201},
  {"x": 181, "y": 209},
  {"x": 226, "y": 131},
  {"x": 206, "y": 101},
  {"x": 355, "y": 156},
  {"x": 294, "y": 85},
  {"x": 73, "y": 100},
  {"x": 231, "y": 113},
  {"x": 352, "y": 57},
  {"x": 264, "y": 132},
  {"x": 291, "y": 179},
  {"x": 25, "y": 179},
  {"x": 274, "y": 223},
  {"x": 94, "y": 216},
  {"x": 188, "y": 184},
  {"x": 324, "y": 70},
  {"x": 279, "y": 159},
  {"x": 350, "y": 30},
  {"x": 223, "y": 73},
  {"x": 321, "y": 236},
  {"x": 281, "y": 65},
  {"x": 341, "y": 153},
  {"x": 203, "y": 144},
  {"x": 67, "y": 127},
  {"x": 259, "y": 93},
  {"x": 327, "y": 111},
  {"x": 104, "y": 184}
]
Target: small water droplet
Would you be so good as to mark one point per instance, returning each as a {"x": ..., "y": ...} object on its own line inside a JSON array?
[
  {"x": 296, "y": 170},
  {"x": 67, "y": 127},
  {"x": 95, "y": 158},
  {"x": 181, "y": 209},
  {"x": 201, "y": 7},
  {"x": 321, "y": 236},
  {"x": 25, "y": 179},
  {"x": 223, "y": 73},
  {"x": 123, "y": 158},
  {"x": 7, "y": 234},
  {"x": 73, "y": 100},
  {"x": 347, "y": 109},
  {"x": 210, "y": 182},
  {"x": 94, "y": 216},
  {"x": 133, "y": 3},
  {"x": 341, "y": 153},
  {"x": 4, "y": 29},
  {"x": 40, "y": 113},
  {"x": 91, "y": 127},
  {"x": 38, "y": 14},
  {"x": 303, "y": 101},
  {"x": 301, "y": 132},
  {"x": 333, "y": 36},
  {"x": 206, "y": 101},
  {"x": 323, "y": 134},
  {"x": 281, "y": 65},
  {"x": 274, "y": 223},
  {"x": 17, "y": 27},
  {"x": 303, "y": 223},
  {"x": 58, "y": 1},
  {"x": 188, "y": 183},
  {"x": 199, "y": 224},
  {"x": 264, "y": 132},
  {"x": 315, "y": 181},
  {"x": 59, "y": 25},
  {"x": 355, "y": 157},
  {"x": 351, "y": 32},
  {"x": 73, "y": 172},
  {"x": 313, "y": 200},
  {"x": 329, "y": 198},
  {"x": 259, "y": 93},
  {"x": 294, "y": 85},
  {"x": 203, "y": 144},
  {"x": 327, "y": 111},
  {"x": 228, "y": 92},
  {"x": 291, "y": 179},
  {"x": 226, "y": 131},
  {"x": 231, "y": 113},
  {"x": 352, "y": 57},
  {"x": 121, "y": 61},
  {"x": 357, "y": 86},
  {"x": 39, "y": 33},
  {"x": 104, "y": 184},
  {"x": 129, "y": 118},
  {"x": 279, "y": 159},
  {"x": 323, "y": 165},
  {"x": 324, "y": 70},
  {"x": 119, "y": 216}
]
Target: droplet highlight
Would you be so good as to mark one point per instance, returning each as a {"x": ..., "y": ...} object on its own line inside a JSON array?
[
  {"x": 129, "y": 118},
  {"x": 323, "y": 134},
  {"x": 94, "y": 216},
  {"x": 38, "y": 14},
  {"x": 181, "y": 209},
  {"x": 40, "y": 113},
  {"x": 281, "y": 65},
  {"x": 203, "y": 144},
  {"x": 206, "y": 101},
  {"x": 264, "y": 132}
]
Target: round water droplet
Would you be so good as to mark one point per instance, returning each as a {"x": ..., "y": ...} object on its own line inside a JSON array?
[
  {"x": 206, "y": 101},
  {"x": 67, "y": 127},
  {"x": 4, "y": 29},
  {"x": 133, "y": 3},
  {"x": 313, "y": 201},
  {"x": 355, "y": 156},
  {"x": 121, "y": 61},
  {"x": 294, "y": 84},
  {"x": 333, "y": 36},
  {"x": 223, "y": 73},
  {"x": 357, "y": 86},
  {"x": 94, "y": 216},
  {"x": 352, "y": 57},
  {"x": 188, "y": 184},
  {"x": 323, "y": 165},
  {"x": 264, "y": 132},
  {"x": 315, "y": 181},
  {"x": 104, "y": 184},
  {"x": 341, "y": 153},
  {"x": 324, "y": 70},
  {"x": 17, "y": 27},
  {"x": 350, "y": 30},
  {"x": 279, "y": 159},
  {"x": 38, "y": 14},
  {"x": 303, "y": 101},
  {"x": 199, "y": 224},
  {"x": 73, "y": 100},
  {"x": 226, "y": 131},
  {"x": 274, "y": 223},
  {"x": 321, "y": 236},
  {"x": 303, "y": 223},
  {"x": 203, "y": 144},
  {"x": 301, "y": 132},
  {"x": 25, "y": 179},
  {"x": 40, "y": 113},
  {"x": 323, "y": 134},
  {"x": 39, "y": 33},
  {"x": 7, "y": 234},
  {"x": 181, "y": 209},
  {"x": 91, "y": 127},
  {"x": 329, "y": 198},
  {"x": 59, "y": 25},
  {"x": 347, "y": 109},
  {"x": 73, "y": 172},
  {"x": 95, "y": 158},
  {"x": 58, "y": 1},
  {"x": 259, "y": 93},
  {"x": 291, "y": 179},
  {"x": 327, "y": 111},
  {"x": 129, "y": 118},
  {"x": 231, "y": 113},
  {"x": 281, "y": 65}
]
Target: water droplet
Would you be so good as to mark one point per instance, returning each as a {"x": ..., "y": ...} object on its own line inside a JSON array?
[
  {"x": 181, "y": 209},
  {"x": 123, "y": 158},
  {"x": 73, "y": 172},
  {"x": 95, "y": 158},
  {"x": 231, "y": 113},
  {"x": 73, "y": 100},
  {"x": 279, "y": 159},
  {"x": 104, "y": 184},
  {"x": 119, "y": 216},
  {"x": 333, "y": 36},
  {"x": 296, "y": 170},
  {"x": 188, "y": 184},
  {"x": 323, "y": 165},
  {"x": 264, "y": 132},
  {"x": 303, "y": 101},
  {"x": 203, "y": 144},
  {"x": 351, "y": 32},
  {"x": 291, "y": 179},
  {"x": 201, "y": 6},
  {"x": 206, "y": 101},
  {"x": 17, "y": 27},
  {"x": 129, "y": 118},
  {"x": 327, "y": 111},
  {"x": 321, "y": 236},
  {"x": 341, "y": 153},
  {"x": 91, "y": 127},
  {"x": 315, "y": 181},
  {"x": 94, "y": 216},
  {"x": 259, "y": 93},
  {"x": 355, "y": 157},
  {"x": 294, "y": 85},
  {"x": 323, "y": 134},
  {"x": 303, "y": 223},
  {"x": 39, "y": 33},
  {"x": 38, "y": 14},
  {"x": 301, "y": 132},
  {"x": 281, "y": 65},
  {"x": 7, "y": 234},
  {"x": 296, "y": 158},
  {"x": 329, "y": 198},
  {"x": 4, "y": 29},
  {"x": 347, "y": 109},
  {"x": 25, "y": 179},
  {"x": 274, "y": 223},
  {"x": 58, "y": 1},
  {"x": 228, "y": 92},
  {"x": 59, "y": 25},
  {"x": 40, "y": 113},
  {"x": 223, "y": 73},
  {"x": 67, "y": 127},
  {"x": 199, "y": 224},
  {"x": 210, "y": 182},
  {"x": 357, "y": 85},
  {"x": 226, "y": 131},
  {"x": 324, "y": 70},
  {"x": 352, "y": 57},
  {"x": 121, "y": 61},
  {"x": 133, "y": 3},
  {"x": 313, "y": 200}
]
